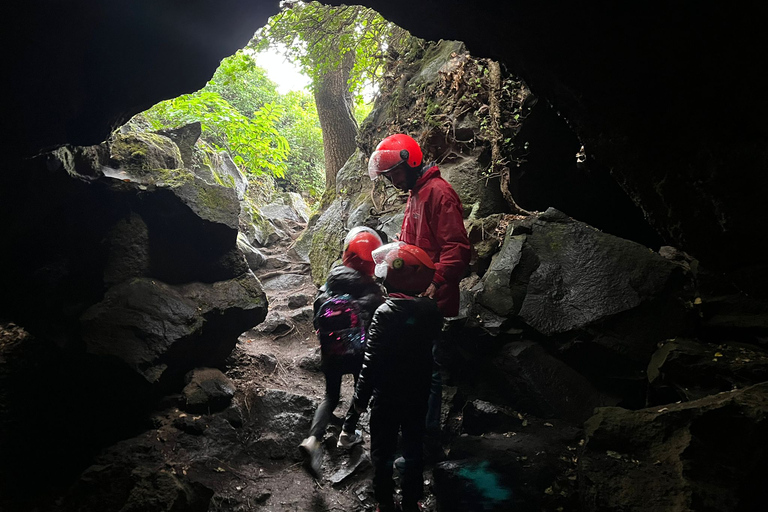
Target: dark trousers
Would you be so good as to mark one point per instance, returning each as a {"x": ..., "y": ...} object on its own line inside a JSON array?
[
  {"x": 387, "y": 418},
  {"x": 329, "y": 403},
  {"x": 435, "y": 397}
]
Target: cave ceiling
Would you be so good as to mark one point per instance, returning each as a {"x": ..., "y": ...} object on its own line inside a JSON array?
[{"x": 669, "y": 96}]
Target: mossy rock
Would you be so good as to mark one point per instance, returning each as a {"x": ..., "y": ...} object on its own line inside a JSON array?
[
  {"x": 327, "y": 240},
  {"x": 140, "y": 154}
]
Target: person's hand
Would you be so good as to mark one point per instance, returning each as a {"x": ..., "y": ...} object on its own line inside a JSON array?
[{"x": 430, "y": 291}]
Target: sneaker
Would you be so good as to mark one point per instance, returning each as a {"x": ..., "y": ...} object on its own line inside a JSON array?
[
  {"x": 347, "y": 440},
  {"x": 312, "y": 452}
]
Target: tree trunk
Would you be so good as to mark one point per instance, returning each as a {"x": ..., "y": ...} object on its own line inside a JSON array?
[{"x": 334, "y": 109}]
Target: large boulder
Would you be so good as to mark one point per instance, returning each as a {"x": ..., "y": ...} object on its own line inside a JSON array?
[
  {"x": 283, "y": 420},
  {"x": 686, "y": 369},
  {"x": 208, "y": 390},
  {"x": 229, "y": 174},
  {"x": 151, "y": 326},
  {"x": 327, "y": 240},
  {"x": 709, "y": 454},
  {"x": 560, "y": 276}
]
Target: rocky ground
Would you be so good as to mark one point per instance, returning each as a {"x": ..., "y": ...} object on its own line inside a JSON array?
[{"x": 247, "y": 455}]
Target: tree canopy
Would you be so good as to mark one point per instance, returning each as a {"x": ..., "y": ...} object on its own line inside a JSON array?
[
  {"x": 341, "y": 49},
  {"x": 318, "y": 36}
]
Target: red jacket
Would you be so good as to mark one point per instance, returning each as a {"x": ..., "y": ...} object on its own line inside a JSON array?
[{"x": 434, "y": 221}]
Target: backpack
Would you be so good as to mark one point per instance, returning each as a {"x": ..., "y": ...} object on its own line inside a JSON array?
[{"x": 340, "y": 327}]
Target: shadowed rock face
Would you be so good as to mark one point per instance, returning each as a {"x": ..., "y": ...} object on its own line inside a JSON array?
[{"x": 664, "y": 98}]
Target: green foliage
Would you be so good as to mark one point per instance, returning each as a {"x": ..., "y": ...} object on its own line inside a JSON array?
[
  {"x": 362, "y": 109},
  {"x": 243, "y": 84},
  {"x": 301, "y": 128},
  {"x": 318, "y": 36},
  {"x": 254, "y": 143}
]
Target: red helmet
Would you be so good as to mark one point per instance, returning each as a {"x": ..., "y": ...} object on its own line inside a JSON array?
[
  {"x": 359, "y": 243},
  {"x": 404, "y": 267},
  {"x": 393, "y": 151}
]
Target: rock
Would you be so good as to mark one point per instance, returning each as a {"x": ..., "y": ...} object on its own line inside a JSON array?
[
  {"x": 283, "y": 421},
  {"x": 526, "y": 377},
  {"x": 128, "y": 253},
  {"x": 479, "y": 416},
  {"x": 310, "y": 362},
  {"x": 132, "y": 476},
  {"x": 391, "y": 224},
  {"x": 268, "y": 361},
  {"x": 498, "y": 472},
  {"x": 480, "y": 196},
  {"x": 229, "y": 174},
  {"x": 207, "y": 390},
  {"x": 140, "y": 153},
  {"x": 139, "y": 322},
  {"x": 285, "y": 282},
  {"x": 685, "y": 369},
  {"x": 279, "y": 211},
  {"x": 299, "y": 206},
  {"x": 185, "y": 138},
  {"x": 299, "y": 300},
  {"x": 275, "y": 323},
  {"x": 495, "y": 292},
  {"x": 304, "y": 314},
  {"x": 254, "y": 257},
  {"x": 212, "y": 203},
  {"x": 234, "y": 415},
  {"x": 708, "y": 454},
  {"x": 327, "y": 240},
  {"x": 358, "y": 462},
  {"x": 565, "y": 279},
  {"x": 192, "y": 425}
]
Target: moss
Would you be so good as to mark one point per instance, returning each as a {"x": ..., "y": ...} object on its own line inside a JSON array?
[
  {"x": 212, "y": 197},
  {"x": 172, "y": 177},
  {"x": 325, "y": 251},
  {"x": 143, "y": 153}
]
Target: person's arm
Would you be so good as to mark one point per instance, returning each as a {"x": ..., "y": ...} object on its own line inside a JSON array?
[
  {"x": 371, "y": 361},
  {"x": 451, "y": 236}
]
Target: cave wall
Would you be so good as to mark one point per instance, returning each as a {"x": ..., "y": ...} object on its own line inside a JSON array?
[{"x": 667, "y": 97}]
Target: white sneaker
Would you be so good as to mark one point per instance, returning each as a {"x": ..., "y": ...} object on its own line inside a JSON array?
[
  {"x": 312, "y": 451},
  {"x": 347, "y": 440}
]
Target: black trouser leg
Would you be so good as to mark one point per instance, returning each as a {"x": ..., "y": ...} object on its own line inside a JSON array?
[
  {"x": 435, "y": 397},
  {"x": 329, "y": 403},
  {"x": 350, "y": 420},
  {"x": 413, "y": 420},
  {"x": 384, "y": 426}
]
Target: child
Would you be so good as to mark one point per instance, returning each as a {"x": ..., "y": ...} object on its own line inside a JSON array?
[
  {"x": 343, "y": 309},
  {"x": 397, "y": 371}
]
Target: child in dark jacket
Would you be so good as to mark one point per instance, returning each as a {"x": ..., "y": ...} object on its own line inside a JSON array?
[
  {"x": 397, "y": 371},
  {"x": 351, "y": 285}
]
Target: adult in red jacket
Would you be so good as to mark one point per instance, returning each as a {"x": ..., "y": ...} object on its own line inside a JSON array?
[{"x": 434, "y": 219}]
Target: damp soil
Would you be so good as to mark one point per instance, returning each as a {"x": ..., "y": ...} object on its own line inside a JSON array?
[{"x": 256, "y": 465}]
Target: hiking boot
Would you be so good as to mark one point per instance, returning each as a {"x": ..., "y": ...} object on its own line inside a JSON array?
[
  {"x": 347, "y": 440},
  {"x": 312, "y": 452}
]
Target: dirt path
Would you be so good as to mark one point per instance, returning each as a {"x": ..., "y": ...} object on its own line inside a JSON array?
[{"x": 282, "y": 354}]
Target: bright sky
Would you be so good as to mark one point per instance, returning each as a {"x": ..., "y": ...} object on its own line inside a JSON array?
[{"x": 283, "y": 73}]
